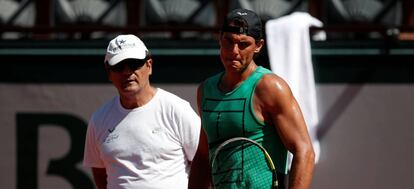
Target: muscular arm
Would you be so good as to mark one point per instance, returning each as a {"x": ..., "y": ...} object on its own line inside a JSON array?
[
  {"x": 200, "y": 167},
  {"x": 99, "y": 176},
  {"x": 275, "y": 104}
]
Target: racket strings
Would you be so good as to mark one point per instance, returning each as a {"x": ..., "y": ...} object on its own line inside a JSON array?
[{"x": 243, "y": 165}]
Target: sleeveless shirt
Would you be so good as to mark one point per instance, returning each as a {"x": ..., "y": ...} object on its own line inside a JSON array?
[{"x": 228, "y": 115}]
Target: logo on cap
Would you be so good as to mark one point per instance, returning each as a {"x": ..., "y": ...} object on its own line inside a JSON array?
[
  {"x": 242, "y": 13},
  {"x": 125, "y": 47}
]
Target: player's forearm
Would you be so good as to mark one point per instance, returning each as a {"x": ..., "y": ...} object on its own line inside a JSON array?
[
  {"x": 301, "y": 173},
  {"x": 99, "y": 176},
  {"x": 199, "y": 177},
  {"x": 200, "y": 168},
  {"x": 199, "y": 182},
  {"x": 200, "y": 172}
]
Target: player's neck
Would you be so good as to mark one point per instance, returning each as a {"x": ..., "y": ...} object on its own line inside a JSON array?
[{"x": 230, "y": 81}]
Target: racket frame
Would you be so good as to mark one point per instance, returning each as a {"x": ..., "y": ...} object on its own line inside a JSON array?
[{"x": 266, "y": 154}]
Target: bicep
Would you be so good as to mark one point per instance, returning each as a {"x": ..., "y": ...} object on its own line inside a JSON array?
[
  {"x": 291, "y": 126},
  {"x": 284, "y": 112}
]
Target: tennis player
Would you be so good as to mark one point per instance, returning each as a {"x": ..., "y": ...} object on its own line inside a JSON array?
[
  {"x": 248, "y": 100},
  {"x": 145, "y": 137}
]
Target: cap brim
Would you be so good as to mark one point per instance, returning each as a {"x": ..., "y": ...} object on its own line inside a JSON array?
[{"x": 126, "y": 55}]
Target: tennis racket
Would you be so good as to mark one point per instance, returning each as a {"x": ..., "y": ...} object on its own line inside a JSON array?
[{"x": 242, "y": 163}]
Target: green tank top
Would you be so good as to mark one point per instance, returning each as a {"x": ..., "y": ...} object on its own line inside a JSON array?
[{"x": 228, "y": 115}]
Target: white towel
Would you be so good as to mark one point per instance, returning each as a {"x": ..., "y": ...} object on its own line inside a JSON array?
[{"x": 290, "y": 57}]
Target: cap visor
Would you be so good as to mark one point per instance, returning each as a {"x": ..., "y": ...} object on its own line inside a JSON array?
[{"x": 126, "y": 55}]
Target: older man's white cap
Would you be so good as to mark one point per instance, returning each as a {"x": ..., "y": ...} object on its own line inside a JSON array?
[{"x": 125, "y": 47}]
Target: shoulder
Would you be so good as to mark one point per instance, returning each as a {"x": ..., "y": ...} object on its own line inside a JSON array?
[
  {"x": 171, "y": 99},
  {"x": 272, "y": 82},
  {"x": 105, "y": 108},
  {"x": 200, "y": 90},
  {"x": 174, "y": 105},
  {"x": 210, "y": 83},
  {"x": 106, "y": 111},
  {"x": 272, "y": 87},
  {"x": 212, "y": 80}
]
